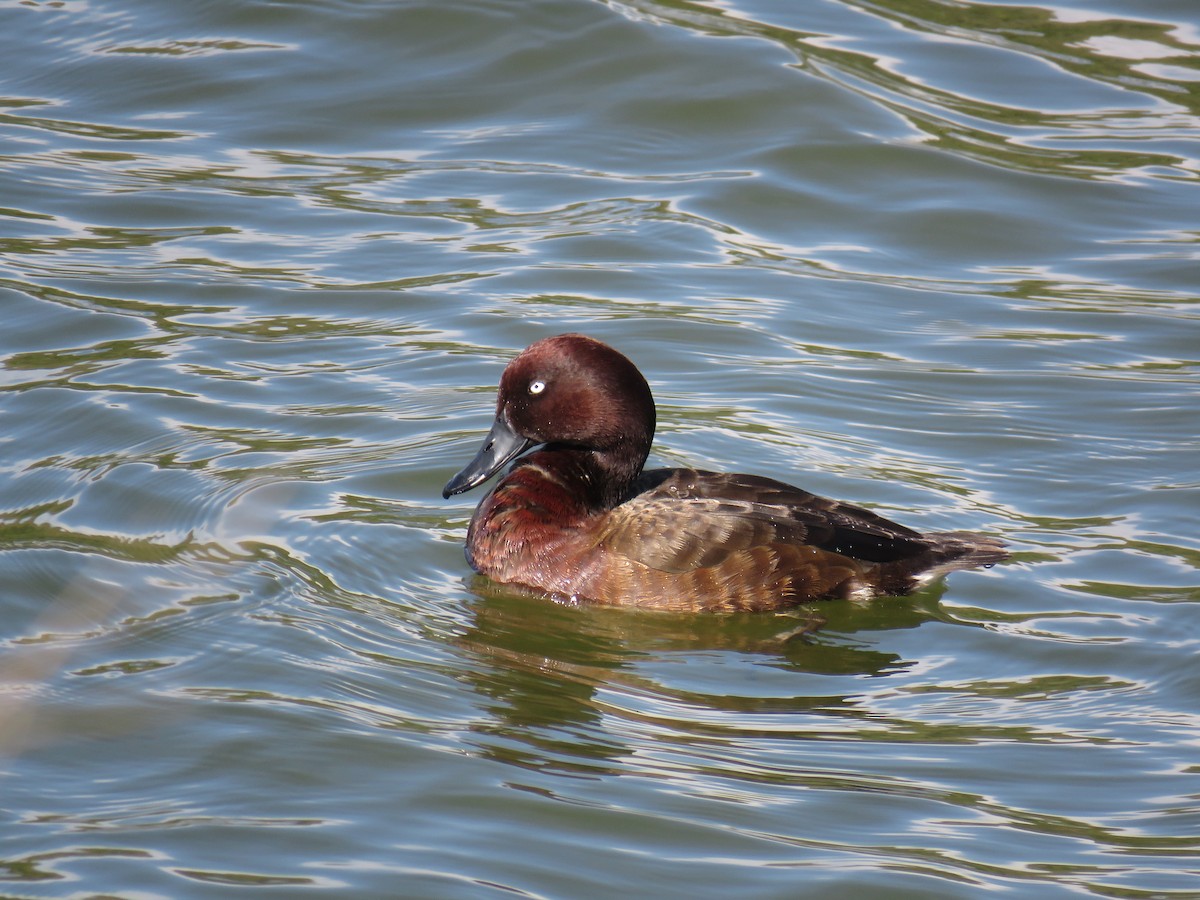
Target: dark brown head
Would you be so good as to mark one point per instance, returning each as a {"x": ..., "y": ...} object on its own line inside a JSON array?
[{"x": 569, "y": 392}]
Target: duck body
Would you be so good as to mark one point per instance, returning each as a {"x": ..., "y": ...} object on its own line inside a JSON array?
[{"x": 579, "y": 520}]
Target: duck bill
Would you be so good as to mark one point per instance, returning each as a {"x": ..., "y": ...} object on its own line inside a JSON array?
[{"x": 501, "y": 446}]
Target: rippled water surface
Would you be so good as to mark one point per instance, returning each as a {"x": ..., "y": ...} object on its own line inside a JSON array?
[{"x": 261, "y": 264}]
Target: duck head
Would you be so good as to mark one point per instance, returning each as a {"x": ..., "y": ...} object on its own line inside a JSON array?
[{"x": 569, "y": 392}]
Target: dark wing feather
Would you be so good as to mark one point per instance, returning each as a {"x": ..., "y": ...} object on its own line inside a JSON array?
[{"x": 682, "y": 519}]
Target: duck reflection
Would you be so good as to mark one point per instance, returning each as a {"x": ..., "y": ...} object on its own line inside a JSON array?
[{"x": 567, "y": 685}]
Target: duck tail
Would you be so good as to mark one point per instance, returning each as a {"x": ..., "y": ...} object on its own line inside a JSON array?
[
  {"x": 947, "y": 551},
  {"x": 953, "y": 550}
]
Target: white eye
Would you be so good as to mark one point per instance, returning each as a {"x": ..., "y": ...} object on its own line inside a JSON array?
[{"x": 536, "y": 387}]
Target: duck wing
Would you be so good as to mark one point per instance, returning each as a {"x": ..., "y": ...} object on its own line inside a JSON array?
[{"x": 679, "y": 520}]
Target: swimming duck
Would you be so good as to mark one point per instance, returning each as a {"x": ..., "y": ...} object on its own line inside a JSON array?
[{"x": 579, "y": 519}]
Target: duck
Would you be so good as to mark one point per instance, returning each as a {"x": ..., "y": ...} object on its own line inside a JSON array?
[{"x": 577, "y": 517}]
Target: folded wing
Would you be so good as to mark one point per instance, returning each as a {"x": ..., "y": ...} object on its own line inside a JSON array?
[{"x": 680, "y": 520}]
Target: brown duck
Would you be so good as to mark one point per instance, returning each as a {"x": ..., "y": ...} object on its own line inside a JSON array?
[{"x": 579, "y": 520}]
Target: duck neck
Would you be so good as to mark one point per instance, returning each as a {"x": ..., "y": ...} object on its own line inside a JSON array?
[
  {"x": 615, "y": 471},
  {"x": 599, "y": 479}
]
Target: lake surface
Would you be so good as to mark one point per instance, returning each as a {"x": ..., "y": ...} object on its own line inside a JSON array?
[{"x": 261, "y": 264}]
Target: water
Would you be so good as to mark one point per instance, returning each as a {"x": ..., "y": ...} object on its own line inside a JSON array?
[{"x": 260, "y": 267}]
